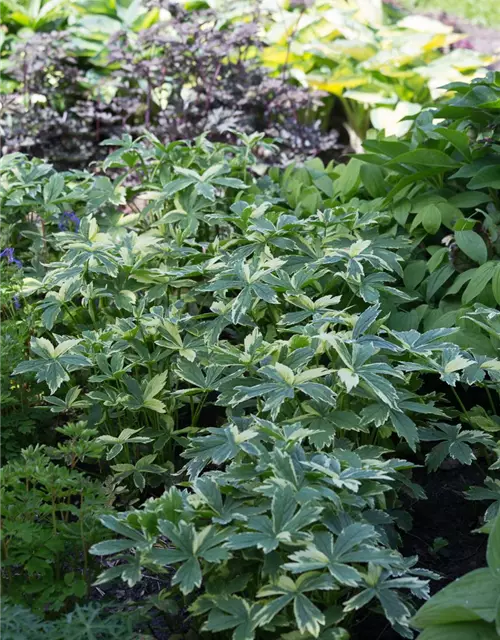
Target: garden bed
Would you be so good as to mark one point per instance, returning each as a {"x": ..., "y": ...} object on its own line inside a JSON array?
[{"x": 250, "y": 384}]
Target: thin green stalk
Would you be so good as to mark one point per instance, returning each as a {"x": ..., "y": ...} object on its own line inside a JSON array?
[
  {"x": 461, "y": 404},
  {"x": 490, "y": 398}
]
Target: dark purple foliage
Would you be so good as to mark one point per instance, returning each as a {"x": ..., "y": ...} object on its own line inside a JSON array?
[{"x": 174, "y": 79}]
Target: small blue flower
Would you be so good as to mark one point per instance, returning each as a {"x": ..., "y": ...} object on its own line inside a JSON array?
[
  {"x": 16, "y": 301},
  {"x": 11, "y": 259},
  {"x": 66, "y": 218}
]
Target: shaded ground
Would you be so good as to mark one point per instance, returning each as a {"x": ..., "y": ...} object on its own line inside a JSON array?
[{"x": 446, "y": 515}]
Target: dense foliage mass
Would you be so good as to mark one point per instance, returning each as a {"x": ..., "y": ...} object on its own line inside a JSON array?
[
  {"x": 223, "y": 376},
  {"x": 76, "y": 74}
]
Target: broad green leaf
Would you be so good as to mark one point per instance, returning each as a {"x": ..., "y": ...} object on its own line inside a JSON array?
[
  {"x": 109, "y": 547},
  {"x": 469, "y": 199},
  {"x": 472, "y": 597},
  {"x": 472, "y": 245},
  {"x": 426, "y": 158},
  {"x": 431, "y": 218},
  {"x": 480, "y": 278},
  {"x": 460, "y": 631},
  {"x": 493, "y": 550},
  {"x": 414, "y": 273},
  {"x": 487, "y": 177},
  {"x": 495, "y": 284}
]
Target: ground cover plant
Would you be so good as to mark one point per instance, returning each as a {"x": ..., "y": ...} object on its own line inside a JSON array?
[{"x": 224, "y": 377}]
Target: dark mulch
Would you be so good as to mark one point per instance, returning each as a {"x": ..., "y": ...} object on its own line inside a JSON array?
[{"x": 445, "y": 514}]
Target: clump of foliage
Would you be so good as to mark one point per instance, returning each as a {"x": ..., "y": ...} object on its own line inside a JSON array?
[
  {"x": 96, "y": 70},
  {"x": 88, "y": 622},
  {"x": 250, "y": 364},
  {"x": 379, "y": 70},
  {"x": 243, "y": 323},
  {"x": 441, "y": 184},
  {"x": 48, "y": 524}
]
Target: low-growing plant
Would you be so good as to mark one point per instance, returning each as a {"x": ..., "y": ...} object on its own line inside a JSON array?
[
  {"x": 441, "y": 184},
  {"x": 48, "y": 524},
  {"x": 251, "y": 362},
  {"x": 244, "y": 323},
  {"x": 88, "y": 622},
  {"x": 379, "y": 72},
  {"x": 178, "y": 78}
]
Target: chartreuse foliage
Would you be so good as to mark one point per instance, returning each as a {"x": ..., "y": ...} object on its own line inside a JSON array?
[
  {"x": 380, "y": 72},
  {"x": 468, "y": 607}
]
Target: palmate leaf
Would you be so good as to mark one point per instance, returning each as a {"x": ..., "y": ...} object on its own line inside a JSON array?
[
  {"x": 53, "y": 363},
  {"x": 424, "y": 343},
  {"x": 219, "y": 445},
  {"x": 285, "y": 525},
  {"x": 225, "y": 509},
  {"x": 284, "y": 385},
  {"x": 384, "y": 588},
  {"x": 453, "y": 361},
  {"x": 454, "y": 443},
  {"x": 490, "y": 492},
  {"x": 335, "y": 555},
  {"x": 405, "y": 427},
  {"x": 233, "y": 612},
  {"x": 190, "y": 547},
  {"x": 308, "y": 617}
]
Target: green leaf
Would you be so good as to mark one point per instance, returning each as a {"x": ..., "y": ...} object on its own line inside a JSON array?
[
  {"x": 431, "y": 218},
  {"x": 53, "y": 188},
  {"x": 472, "y": 597},
  {"x": 493, "y": 550},
  {"x": 480, "y": 278},
  {"x": 438, "y": 278},
  {"x": 309, "y": 618},
  {"x": 460, "y": 631},
  {"x": 108, "y": 547},
  {"x": 487, "y": 177},
  {"x": 349, "y": 180},
  {"x": 155, "y": 385},
  {"x": 405, "y": 428},
  {"x": 171, "y": 188},
  {"x": 469, "y": 199},
  {"x": 458, "y": 139},
  {"x": 205, "y": 190},
  {"x": 232, "y": 612},
  {"x": 495, "y": 284},
  {"x": 472, "y": 245},
  {"x": 373, "y": 178},
  {"x": 414, "y": 273},
  {"x": 426, "y": 158}
]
